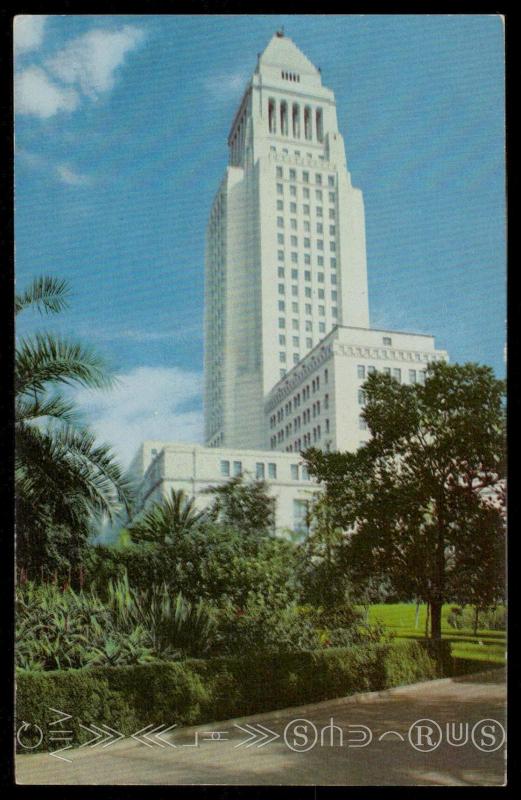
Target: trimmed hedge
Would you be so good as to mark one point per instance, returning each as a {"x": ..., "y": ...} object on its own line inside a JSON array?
[{"x": 198, "y": 691}]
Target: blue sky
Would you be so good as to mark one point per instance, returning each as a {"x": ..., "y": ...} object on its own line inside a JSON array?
[{"x": 121, "y": 130}]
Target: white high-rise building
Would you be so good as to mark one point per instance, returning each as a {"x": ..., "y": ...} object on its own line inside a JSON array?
[{"x": 285, "y": 257}]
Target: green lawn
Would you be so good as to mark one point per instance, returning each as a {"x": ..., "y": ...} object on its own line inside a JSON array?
[{"x": 488, "y": 647}]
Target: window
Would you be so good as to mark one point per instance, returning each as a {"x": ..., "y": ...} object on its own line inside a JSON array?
[
  {"x": 294, "y": 472},
  {"x": 282, "y": 357},
  {"x": 282, "y": 340},
  {"x": 320, "y": 244},
  {"x": 371, "y": 370},
  {"x": 279, "y": 172},
  {"x": 272, "y": 471},
  {"x": 361, "y": 397},
  {"x": 280, "y": 238},
  {"x": 326, "y": 401},
  {"x": 296, "y": 341},
  {"x": 225, "y": 468},
  {"x": 280, "y": 272},
  {"x": 281, "y": 288},
  {"x": 300, "y": 516},
  {"x": 259, "y": 470},
  {"x": 293, "y": 174},
  {"x": 332, "y": 247},
  {"x": 309, "y": 343},
  {"x": 421, "y": 377},
  {"x": 397, "y": 374},
  {"x": 305, "y": 209},
  {"x": 280, "y": 255},
  {"x": 321, "y": 294},
  {"x": 334, "y": 296},
  {"x": 360, "y": 371},
  {"x": 279, "y": 188},
  {"x": 387, "y": 370},
  {"x": 294, "y": 324},
  {"x": 320, "y": 261},
  {"x": 305, "y": 177},
  {"x": 333, "y": 279},
  {"x": 282, "y": 305},
  {"x": 319, "y": 211},
  {"x": 307, "y": 242},
  {"x": 282, "y": 373},
  {"x": 307, "y": 226},
  {"x": 296, "y": 358},
  {"x": 280, "y": 222},
  {"x": 387, "y": 341},
  {"x": 331, "y": 213},
  {"x": 293, "y": 208},
  {"x": 294, "y": 308},
  {"x": 294, "y": 241},
  {"x": 320, "y": 277},
  {"x": 305, "y": 193},
  {"x": 293, "y": 224},
  {"x": 332, "y": 230},
  {"x": 320, "y": 227},
  {"x": 321, "y": 327},
  {"x": 362, "y": 424},
  {"x": 304, "y": 473},
  {"x": 237, "y": 468},
  {"x": 308, "y": 308},
  {"x": 293, "y": 191},
  {"x": 412, "y": 376},
  {"x": 294, "y": 258},
  {"x": 282, "y": 322},
  {"x": 327, "y": 426},
  {"x": 309, "y": 325},
  {"x": 294, "y": 274},
  {"x": 318, "y": 178},
  {"x": 307, "y": 258},
  {"x": 322, "y": 311},
  {"x": 307, "y": 275},
  {"x": 331, "y": 180},
  {"x": 332, "y": 263},
  {"x": 318, "y": 194}
]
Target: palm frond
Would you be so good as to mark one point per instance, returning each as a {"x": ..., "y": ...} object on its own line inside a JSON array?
[
  {"x": 46, "y": 358},
  {"x": 38, "y": 407},
  {"x": 47, "y": 294}
]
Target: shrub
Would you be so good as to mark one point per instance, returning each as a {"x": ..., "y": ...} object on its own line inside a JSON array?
[
  {"x": 494, "y": 619},
  {"x": 197, "y": 691}
]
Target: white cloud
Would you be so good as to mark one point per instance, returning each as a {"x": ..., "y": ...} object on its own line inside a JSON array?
[
  {"x": 36, "y": 94},
  {"x": 227, "y": 85},
  {"x": 28, "y": 32},
  {"x": 147, "y": 403},
  {"x": 71, "y": 177},
  {"x": 90, "y": 60}
]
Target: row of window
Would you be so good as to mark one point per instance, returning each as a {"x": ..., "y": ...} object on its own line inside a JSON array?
[
  {"x": 307, "y": 310},
  {"x": 307, "y": 290},
  {"x": 292, "y": 175},
  {"x": 415, "y": 376},
  {"x": 319, "y": 197},
  {"x": 319, "y": 229},
  {"x": 301, "y": 397},
  {"x": 285, "y": 152},
  {"x": 297, "y": 471},
  {"x": 307, "y": 261}
]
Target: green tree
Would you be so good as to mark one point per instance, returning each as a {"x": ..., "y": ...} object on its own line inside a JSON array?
[
  {"x": 63, "y": 478},
  {"x": 164, "y": 522},
  {"x": 423, "y": 499},
  {"x": 244, "y": 505}
]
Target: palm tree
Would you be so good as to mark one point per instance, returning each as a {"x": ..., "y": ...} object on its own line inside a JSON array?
[
  {"x": 165, "y": 521},
  {"x": 62, "y": 476}
]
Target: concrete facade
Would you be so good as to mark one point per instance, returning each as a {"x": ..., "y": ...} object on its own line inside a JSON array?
[
  {"x": 194, "y": 468},
  {"x": 319, "y": 402},
  {"x": 285, "y": 252}
]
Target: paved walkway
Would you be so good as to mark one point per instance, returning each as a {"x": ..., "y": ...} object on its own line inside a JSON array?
[{"x": 377, "y": 748}]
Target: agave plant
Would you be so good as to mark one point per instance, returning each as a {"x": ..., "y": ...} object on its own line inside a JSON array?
[{"x": 165, "y": 521}]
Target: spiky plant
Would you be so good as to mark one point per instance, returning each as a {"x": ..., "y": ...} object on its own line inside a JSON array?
[{"x": 165, "y": 521}]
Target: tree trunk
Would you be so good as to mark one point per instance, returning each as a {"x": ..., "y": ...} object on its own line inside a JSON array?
[
  {"x": 417, "y": 618},
  {"x": 427, "y": 617},
  {"x": 436, "y": 607},
  {"x": 476, "y": 620}
]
